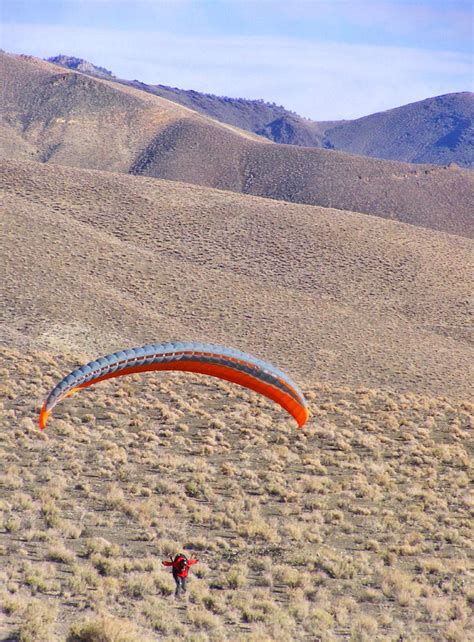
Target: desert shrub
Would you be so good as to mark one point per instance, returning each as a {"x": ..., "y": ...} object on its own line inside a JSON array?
[
  {"x": 364, "y": 629},
  {"x": 162, "y": 619},
  {"x": 257, "y": 607},
  {"x": 455, "y": 632},
  {"x": 236, "y": 577},
  {"x": 21, "y": 501},
  {"x": 105, "y": 628},
  {"x": 12, "y": 524},
  {"x": 163, "y": 583},
  {"x": 82, "y": 578},
  {"x": 108, "y": 566},
  {"x": 11, "y": 480},
  {"x": 400, "y": 586},
  {"x": 336, "y": 565},
  {"x": 214, "y": 603},
  {"x": 157, "y": 615},
  {"x": 138, "y": 585},
  {"x": 50, "y": 512},
  {"x": 288, "y": 576},
  {"x": 114, "y": 498},
  {"x": 298, "y": 606},
  {"x": 198, "y": 488},
  {"x": 37, "y": 622},
  {"x": 369, "y": 594},
  {"x": 258, "y": 528},
  {"x": 63, "y": 428},
  {"x": 11, "y": 603},
  {"x": 58, "y": 552},
  {"x": 202, "y": 619},
  {"x": 101, "y": 546},
  {"x": 320, "y": 618},
  {"x": 261, "y": 563},
  {"x": 40, "y": 578},
  {"x": 56, "y": 487},
  {"x": 167, "y": 547}
]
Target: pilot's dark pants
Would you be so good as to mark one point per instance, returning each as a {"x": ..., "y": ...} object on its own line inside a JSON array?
[{"x": 180, "y": 583}]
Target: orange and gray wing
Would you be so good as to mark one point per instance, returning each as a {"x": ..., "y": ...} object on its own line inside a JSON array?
[{"x": 214, "y": 360}]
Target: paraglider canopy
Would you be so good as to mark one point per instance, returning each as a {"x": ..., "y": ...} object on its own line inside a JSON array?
[{"x": 214, "y": 360}]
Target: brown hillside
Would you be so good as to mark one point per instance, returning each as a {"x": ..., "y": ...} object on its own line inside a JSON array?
[
  {"x": 98, "y": 261},
  {"x": 429, "y": 196},
  {"x": 356, "y": 527},
  {"x": 72, "y": 119},
  {"x": 435, "y": 130}
]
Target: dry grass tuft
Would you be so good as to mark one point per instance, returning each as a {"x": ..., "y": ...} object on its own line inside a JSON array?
[{"x": 105, "y": 629}]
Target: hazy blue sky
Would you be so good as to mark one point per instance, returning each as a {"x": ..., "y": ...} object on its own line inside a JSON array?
[{"x": 324, "y": 59}]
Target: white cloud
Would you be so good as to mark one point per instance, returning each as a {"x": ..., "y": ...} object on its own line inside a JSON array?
[{"x": 317, "y": 80}]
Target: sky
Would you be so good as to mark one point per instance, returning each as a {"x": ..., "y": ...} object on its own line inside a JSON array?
[{"x": 324, "y": 59}]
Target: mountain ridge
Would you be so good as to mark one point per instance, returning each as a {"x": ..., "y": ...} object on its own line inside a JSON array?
[
  {"x": 437, "y": 129},
  {"x": 63, "y": 116}
]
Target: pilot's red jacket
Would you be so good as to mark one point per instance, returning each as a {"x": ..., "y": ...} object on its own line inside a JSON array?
[{"x": 177, "y": 566}]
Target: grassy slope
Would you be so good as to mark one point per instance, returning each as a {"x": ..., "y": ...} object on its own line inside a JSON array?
[
  {"x": 73, "y": 119},
  {"x": 197, "y": 152},
  {"x": 356, "y": 527},
  {"x": 98, "y": 260}
]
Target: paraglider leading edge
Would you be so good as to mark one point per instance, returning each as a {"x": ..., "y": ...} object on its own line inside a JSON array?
[{"x": 214, "y": 360}]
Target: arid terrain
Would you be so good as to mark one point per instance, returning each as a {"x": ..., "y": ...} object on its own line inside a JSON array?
[
  {"x": 96, "y": 259},
  {"x": 59, "y": 116},
  {"x": 437, "y": 130},
  {"x": 358, "y": 526}
]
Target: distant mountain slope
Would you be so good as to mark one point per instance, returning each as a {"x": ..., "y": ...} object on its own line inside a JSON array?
[
  {"x": 267, "y": 119},
  {"x": 66, "y": 117},
  {"x": 74, "y": 119},
  {"x": 94, "y": 261},
  {"x": 253, "y": 115},
  {"x": 434, "y": 197},
  {"x": 437, "y": 130}
]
